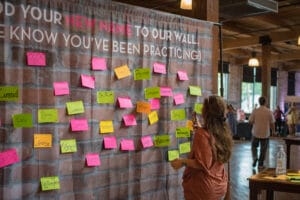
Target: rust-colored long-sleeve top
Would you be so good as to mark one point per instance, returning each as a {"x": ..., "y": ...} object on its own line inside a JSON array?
[{"x": 210, "y": 182}]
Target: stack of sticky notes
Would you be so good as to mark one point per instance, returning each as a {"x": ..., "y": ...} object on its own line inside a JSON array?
[{"x": 294, "y": 177}]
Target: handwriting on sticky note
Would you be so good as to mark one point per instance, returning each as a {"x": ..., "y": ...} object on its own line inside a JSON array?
[
  {"x": 47, "y": 115},
  {"x": 173, "y": 154},
  {"x": 105, "y": 97},
  {"x": 182, "y": 75},
  {"x": 9, "y": 93},
  {"x": 125, "y": 102},
  {"x": 110, "y": 142},
  {"x": 178, "y": 99},
  {"x": 79, "y": 124},
  {"x": 185, "y": 147},
  {"x": 50, "y": 183},
  {"x": 42, "y": 140},
  {"x": 127, "y": 145},
  {"x": 68, "y": 146},
  {"x": 166, "y": 92},
  {"x": 122, "y": 71},
  {"x": 75, "y": 107},
  {"x": 155, "y": 104},
  {"x": 92, "y": 159},
  {"x": 8, "y": 157},
  {"x": 198, "y": 108},
  {"x": 153, "y": 117},
  {"x": 195, "y": 90},
  {"x": 61, "y": 88},
  {"x": 22, "y": 120},
  {"x": 106, "y": 127},
  {"x": 98, "y": 63},
  {"x": 178, "y": 114},
  {"x": 143, "y": 107},
  {"x": 36, "y": 59},
  {"x": 183, "y": 132},
  {"x": 147, "y": 141},
  {"x": 129, "y": 120},
  {"x": 159, "y": 68},
  {"x": 142, "y": 74},
  {"x": 162, "y": 140},
  {"x": 87, "y": 81},
  {"x": 152, "y": 92}
]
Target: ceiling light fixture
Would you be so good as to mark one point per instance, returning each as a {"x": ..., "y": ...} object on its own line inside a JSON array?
[
  {"x": 186, "y": 4},
  {"x": 299, "y": 40},
  {"x": 253, "y": 61}
]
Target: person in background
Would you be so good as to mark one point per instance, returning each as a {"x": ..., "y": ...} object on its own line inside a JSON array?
[
  {"x": 278, "y": 115},
  {"x": 291, "y": 120},
  {"x": 204, "y": 176},
  {"x": 231, "y": 119},
  {"x": 262, "y": 120}
]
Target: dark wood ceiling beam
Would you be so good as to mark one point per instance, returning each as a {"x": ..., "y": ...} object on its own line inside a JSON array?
[{"x": 295, "y": 55}]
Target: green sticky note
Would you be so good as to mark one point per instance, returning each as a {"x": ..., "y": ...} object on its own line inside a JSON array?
[
  {"x": 177, "y": 115},
  {"x": 173, "y": 154},
  {"x": 50, "y": 183},
  {"x": 47, "y": 115},
  {"x": 68, "y": 146},
  {"x": 183, "y": 132},
  {"x": 162, "y": 140},
  {"x": 185, "y": 147},
  {"x": 195, "y": 90},
  {"x": 9, "y": 93},
  {"x": 152, "y": 93},
  {"x": 75, "y": 107},
  {"x": 198, "y": 108},
  {"x": 105, "y": 97},
  {"x": 22, "y": 120},
  {"x": 142, "y": 74}
]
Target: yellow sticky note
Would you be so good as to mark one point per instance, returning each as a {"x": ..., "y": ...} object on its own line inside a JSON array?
[
  {"x": 189, "y": 124},
  {"x": 173, "y": 154},
  {"x": 198, "y": 108},
  {"x": 42, "y": 140},
  {"x": 122, "y": 71},
  {"x": 50, "y": 183},
  {"x": 75, "y": 107},
  {"x": 47, "y": 115},
  {"x": 143, "y": 107},
  {"x": 195, "y": 90},
  {"x": 68, "y": 146},
  {"x": 106, "y": 127},
  {"x": 153, "y": 117},
  {"x": 185, "y": 147}
]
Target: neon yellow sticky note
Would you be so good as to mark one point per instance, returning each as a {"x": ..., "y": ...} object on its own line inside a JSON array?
[
  {"x": 68, "y": 146},
  {"x": 50, "y": 183},
  {"x": 42, "y": 140},
  {"x": 153, "y": 117},
  {"x": 195, "y": 90},
  {"x": 162, "y": 140},
  {"x": 106, "y": 127},
  {"x": 142, "y": 74},
  {"x": 152, "y": 92},
  {"x": 173, "y": 154},
  {"x": 22, "y": 120},
  {"x": 189, "y": 125},
  {"x": 75, "y": 107},
  {"x": 105, "y": 97},
  {"x": 183, "y": 132},
  {"x": 198, "y": 108},
  {"x": 185, "y": 147},
  {"x": 47, "y": 115},
  {"x": 178, "y": 114},
  {"x": 9, "y": 93},
  {"x": 122, "y": 71}
]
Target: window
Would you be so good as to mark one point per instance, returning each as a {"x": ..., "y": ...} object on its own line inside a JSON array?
[{"x": 225, "y": 79}]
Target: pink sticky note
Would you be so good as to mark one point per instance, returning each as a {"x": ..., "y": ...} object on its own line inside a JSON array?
[
  {"x": 125, "y": 102},
  {"x": 8, "y": 157},
  {"x": 129, "y": 120},
  {"x": 178, "y": 99},
  {"x": 92, "y": 159},
  {"x": 127, "y": 145},
  {"x": 182, "y": 75},
  {"x": 61, "y": 88},
  {"x": 159, "y": 68},
  {"x": 36, "y": 59},
  {"x": 110, "y": 142},
  {"x": 147, "y": 141},
  {"x": 79, "y": 125},
  {"x": 166, "y": 92},
  {"x": 88, "y": 81},
  {"x": 98, "y": 63},
  {"x": 155, "y": 104}
]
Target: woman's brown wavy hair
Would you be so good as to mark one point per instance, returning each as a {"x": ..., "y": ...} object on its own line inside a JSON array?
[{"x": 213, "y": 113}]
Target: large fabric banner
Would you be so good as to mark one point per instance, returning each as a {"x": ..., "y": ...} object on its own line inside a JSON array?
[{"x": 96, "y": 98}]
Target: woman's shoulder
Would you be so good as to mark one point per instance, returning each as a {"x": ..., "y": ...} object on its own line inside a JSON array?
[{"x": 202, "y": 132}]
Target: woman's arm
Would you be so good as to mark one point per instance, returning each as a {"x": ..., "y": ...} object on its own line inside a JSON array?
[{"x": 180, "y": 162}]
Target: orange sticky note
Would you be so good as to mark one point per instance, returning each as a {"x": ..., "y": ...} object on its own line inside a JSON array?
[
  {"x": 122, "y": 71},
  {"x": 42, "y": 140},
  {"x": 143, "y": 107}
]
